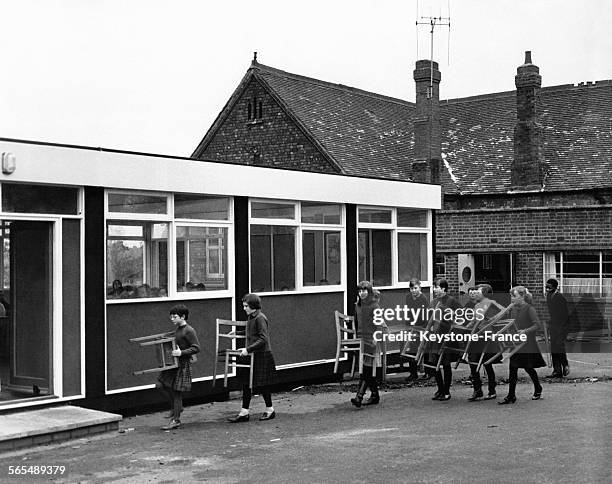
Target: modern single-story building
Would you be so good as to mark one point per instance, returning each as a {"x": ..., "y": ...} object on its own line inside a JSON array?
[{"x": 98, "y": 245}]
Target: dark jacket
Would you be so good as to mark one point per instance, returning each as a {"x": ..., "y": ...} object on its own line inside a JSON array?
[
  {"x": 420, "y": 302},
  {"x": 258, "y": 336},
  {"x": 443, "y": 303},
  {"x": 559, "y": 315}
]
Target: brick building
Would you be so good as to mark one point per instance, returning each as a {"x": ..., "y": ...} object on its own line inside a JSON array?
[{"x": 525, "y": 174}]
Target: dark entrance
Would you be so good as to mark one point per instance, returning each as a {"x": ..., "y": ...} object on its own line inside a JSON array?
[
  {"x": 25, "y": 350},
  {"x": 497, "y": 270}
]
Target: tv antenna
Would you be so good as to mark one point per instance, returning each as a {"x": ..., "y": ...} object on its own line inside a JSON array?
[{"x": 433, "y": 22}]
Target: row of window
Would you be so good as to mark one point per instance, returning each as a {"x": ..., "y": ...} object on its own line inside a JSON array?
[
  {"x": 580, "y": 272},
  {"x": 160, "y": 245}
]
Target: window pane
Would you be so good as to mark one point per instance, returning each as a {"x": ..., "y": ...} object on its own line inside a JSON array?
[
  {"x": 22, "y": 198},
  {"x": 409, "y": 217},
  {"x": 321, "y": 257},
  {"x": 201, "y": 258},
  {"x": 136, "y": 260},
  {"x": 272, "y": 210},
  {"x": 375, "y": 215},
  {"x": 374, "y": 254},
  {"x": 135, "y": 203},
  {"x": 581, "y": 273},
  {"x": 412, "y": 256},
  {"x": 272, "y": 258},
  {"x": 201, "y": 207},
  {"x": 320, "y": 213}
]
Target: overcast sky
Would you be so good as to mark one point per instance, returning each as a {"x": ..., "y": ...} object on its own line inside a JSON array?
[{"x": 152, "y": 75}]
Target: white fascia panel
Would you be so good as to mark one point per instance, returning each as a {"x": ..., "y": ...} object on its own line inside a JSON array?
[{"x": 77, "y": 166}]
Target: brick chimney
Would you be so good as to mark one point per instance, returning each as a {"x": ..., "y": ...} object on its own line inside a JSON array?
[
  {"x": 427, "y": 150},
  {"x": 528, "y": 163}
]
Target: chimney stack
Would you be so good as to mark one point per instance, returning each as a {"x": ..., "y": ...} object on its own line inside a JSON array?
[
  {"x": 427, "y": 147},
  {"x": 528, "y": 163}
]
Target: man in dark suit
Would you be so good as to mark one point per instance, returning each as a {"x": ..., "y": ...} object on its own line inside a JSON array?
[{"x": 557, "y": 328}]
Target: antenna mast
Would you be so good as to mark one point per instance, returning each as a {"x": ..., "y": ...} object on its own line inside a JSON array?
[{"x": 433, "y": 22}]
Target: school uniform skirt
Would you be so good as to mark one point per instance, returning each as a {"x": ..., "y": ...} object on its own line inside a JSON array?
[
  {"x": 528, "y": 356},
  {"x": 178, "y": 379},
  {"x": 264, "y": 369}
]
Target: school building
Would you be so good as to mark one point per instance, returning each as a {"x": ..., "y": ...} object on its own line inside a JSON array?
[
  {"x": 299, "y": 189},
  {"x": 525, "y": 174},
  {"x": 98, "y": 245}
]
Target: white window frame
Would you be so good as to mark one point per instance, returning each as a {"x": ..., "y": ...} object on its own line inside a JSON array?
[
  {"x": 173, "y": 223},
  {"x": 395, "y": 231},
  {"x": 300, "y": 288},
  {"x": 561, "y": 279}
]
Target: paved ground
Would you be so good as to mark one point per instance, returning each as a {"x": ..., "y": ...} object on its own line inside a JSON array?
[{"x": 319, "y": 437}]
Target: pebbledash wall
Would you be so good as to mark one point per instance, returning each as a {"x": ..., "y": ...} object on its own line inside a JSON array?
[{"x": 135, "y": 198}]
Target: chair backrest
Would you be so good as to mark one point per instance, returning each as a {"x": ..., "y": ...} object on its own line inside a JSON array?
[
  {"x": 231, "y": 330},
  {"x": 345, "y": 326}
]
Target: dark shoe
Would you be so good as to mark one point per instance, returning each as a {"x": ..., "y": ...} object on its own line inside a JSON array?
[
  {"x": 537, "y": 393},
  {"x": 267, "y": 416},
  {"x": 373, "y": 400},
  {"x": 173, "y": 424},
  {"x": 356, "y": 400},
  {"x": 555, "y": 375},
  {"x": 475, "y": 396},
  {"x": 437, "y": 396},
  {"x": 444, "y": 398},
  {"x": 239, "y": 418},
  {"x": 491, "y": 396},
  {"x": 566, "y": 370},
  {"x": 507, "y": 401}
]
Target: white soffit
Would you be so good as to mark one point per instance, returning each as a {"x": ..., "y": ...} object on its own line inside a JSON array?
[{"x": 37, "y": 163}]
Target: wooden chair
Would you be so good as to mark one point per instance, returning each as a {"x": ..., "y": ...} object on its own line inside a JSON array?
[
  {"x": 479, "y": 328},
  {"x": 347, "y": 343},
  {"x": 422, "y": 345},
  {"x": 231, "y": 331},
  {"x": 164, "y": 344},
  {"x": 505, "y": 348},
  {"x": 454, "y": 346}
]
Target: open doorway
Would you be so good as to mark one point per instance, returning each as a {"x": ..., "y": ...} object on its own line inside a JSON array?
[{"x": 26, "y": 312}]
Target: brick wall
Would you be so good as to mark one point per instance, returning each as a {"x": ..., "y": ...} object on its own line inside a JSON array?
[
  {"x": 554, "y": 199},
  {"x": 512, "y": 230},
  {"x": 270, "y": 140}
]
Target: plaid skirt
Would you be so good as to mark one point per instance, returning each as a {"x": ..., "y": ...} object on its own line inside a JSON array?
[
  {"x": 179, "y": 379},
  {"x": 264, "y": 369}
]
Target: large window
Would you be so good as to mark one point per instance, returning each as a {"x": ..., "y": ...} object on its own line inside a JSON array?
[
  {"x": 588, "y": 272},
  {"x": 160, "y": 245},
  {"x": 394, "y": 245},
  {"x": 295, "y": 245}
]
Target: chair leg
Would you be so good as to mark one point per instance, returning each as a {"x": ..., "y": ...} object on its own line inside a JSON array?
[
  {"x": 337, "y": 359},
  {"x": 251, "y": 371},
  {"x": 225, "y": 370}
]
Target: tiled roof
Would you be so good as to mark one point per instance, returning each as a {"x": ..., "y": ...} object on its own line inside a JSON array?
[
  {"x": 372, "y": 135},
  {"x": 478, "y": 133},
  {"x": 366, "y": 134}
]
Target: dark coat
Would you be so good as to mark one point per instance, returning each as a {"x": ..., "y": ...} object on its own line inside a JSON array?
[
  {"x": 364, "y": 320},
  {"x": 529, "y": 356},
  {"x": 420, "y": 302},
  {"x": 258, "y": 343},
  {"x": 559, "y": 316}
]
